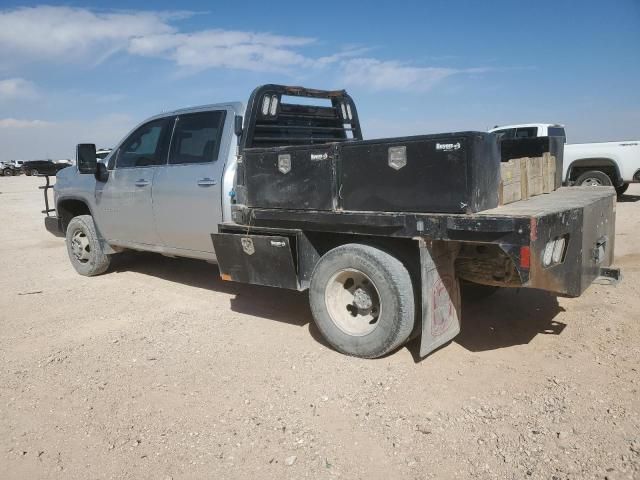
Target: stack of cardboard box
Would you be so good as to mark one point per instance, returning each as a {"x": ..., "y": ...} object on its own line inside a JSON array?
[{"x": 522, "y": 178}]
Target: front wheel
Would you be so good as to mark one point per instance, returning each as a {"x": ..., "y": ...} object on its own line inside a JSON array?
[
  {"x": 362, "y": 300},
  {"x": 83, "y": 247},
  {"x": 594, "y": 178},
  {"x": 7, "y": 172}
]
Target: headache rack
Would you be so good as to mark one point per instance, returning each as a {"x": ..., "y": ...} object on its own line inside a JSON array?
[{"x": 273, "y": 122}]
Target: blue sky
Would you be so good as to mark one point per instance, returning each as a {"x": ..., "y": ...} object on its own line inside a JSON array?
[{"x": 88, "y": 72}]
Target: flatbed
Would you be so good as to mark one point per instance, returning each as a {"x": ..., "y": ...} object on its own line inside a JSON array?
[{"x": 299, "y": 205}]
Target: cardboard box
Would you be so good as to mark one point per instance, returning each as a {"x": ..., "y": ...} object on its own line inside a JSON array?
[
  {"x": 535, "y": 176},
  {"x": 511, "y": 181},
  {"x": 549, "y": 173}
]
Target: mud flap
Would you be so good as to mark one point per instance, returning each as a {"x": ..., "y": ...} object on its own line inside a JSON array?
[{"x": 440, "y": 294}]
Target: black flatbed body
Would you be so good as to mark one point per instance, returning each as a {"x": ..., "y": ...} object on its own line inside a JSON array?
[
  {"x": 582, "y": 215},
  {"x": 299, "y": 192},
  {"x": 512, "y": 221}
]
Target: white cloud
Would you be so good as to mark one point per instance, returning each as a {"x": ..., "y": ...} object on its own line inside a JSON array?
[
  {"x": 16, "y": 123},
  {"x": 16, "y": 88},
  {"x": 65, "y": 34},
  {"x": 71, "y": 34},
  {"x": 225, "y": 49},
  {"x": 57, "y": 35},
  {"x": 376, "y": 75}
]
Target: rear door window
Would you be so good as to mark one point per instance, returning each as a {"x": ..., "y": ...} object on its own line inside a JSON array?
[{"x": 196, "y": 138}]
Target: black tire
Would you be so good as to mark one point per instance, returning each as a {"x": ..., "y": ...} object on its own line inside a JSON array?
[
  {"x": 387, "y": 279},
  {"x": 34, "y": 172},
  {"x": 7, "y": 172},
  {"x": 594, "y": 178},
  {"x": 475, "y": 292},
  {"x": 622, "y": 189},
  {"x": 84, "y": 248}
]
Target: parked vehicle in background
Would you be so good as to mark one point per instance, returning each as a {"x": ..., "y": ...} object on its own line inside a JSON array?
[
  {"x": 586, "y": 164},
  {"x": 8, "y": 169},
  {"x": 43, "y": 167},
  {"x": 102, "y": 153}
]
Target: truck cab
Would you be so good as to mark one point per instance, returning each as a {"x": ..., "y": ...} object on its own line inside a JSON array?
[{"x": 164, "y": 187}]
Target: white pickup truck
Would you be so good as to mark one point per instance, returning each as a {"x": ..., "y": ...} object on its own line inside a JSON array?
[{"x": 596, "y": 164}]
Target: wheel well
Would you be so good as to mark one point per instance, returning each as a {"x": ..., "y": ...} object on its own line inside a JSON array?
[
  {"x": 604, "y": 165},
  {"x": 67, "y": 209},
  {"x": 405, "y": 249}
]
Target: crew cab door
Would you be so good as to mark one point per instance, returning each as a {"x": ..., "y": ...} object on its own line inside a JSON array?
[
  {"x": 123, "y": 203},
  {"x": 187, "y": 191}
]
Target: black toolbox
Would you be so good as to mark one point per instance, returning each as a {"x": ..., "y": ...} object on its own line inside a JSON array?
[
  {"x": 447, "y": 173},
  {"x": 297, "y": 177}
]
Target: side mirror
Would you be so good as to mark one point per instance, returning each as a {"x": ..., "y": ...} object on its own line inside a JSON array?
[
  {"x": 237, "y": 127},
  {"x": 102, "y": 173},
  {"x": 86, "y": 159}
]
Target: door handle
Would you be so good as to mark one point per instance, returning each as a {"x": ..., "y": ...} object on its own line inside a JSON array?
[
  {"x": 141, "y": 183},
  {"x": 206, "y": 182}
]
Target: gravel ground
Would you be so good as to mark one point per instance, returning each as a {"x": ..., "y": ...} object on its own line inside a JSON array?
[{"x": 160, "y": 370}]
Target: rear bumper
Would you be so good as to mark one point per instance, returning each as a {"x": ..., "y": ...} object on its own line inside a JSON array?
[{"x": 53, "y": 225}]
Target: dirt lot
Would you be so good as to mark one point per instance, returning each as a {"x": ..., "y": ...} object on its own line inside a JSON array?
[{"x": 160, "y": 370}]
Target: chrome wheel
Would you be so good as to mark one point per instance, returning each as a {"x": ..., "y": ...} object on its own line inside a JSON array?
[
  {"x": 353, "y": 302},
  {"x": 591, "y": 182},
  {"x": 80, "y": 246}
]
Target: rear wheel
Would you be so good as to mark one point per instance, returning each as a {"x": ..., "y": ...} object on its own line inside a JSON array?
[
  {"x": 34, "y": 172},
  {"x": 594, "y": 178},
  {"x": 83, "y": 247},
  {"x": 622, "y": 189},
  {"x": 362, "y": 300}
]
